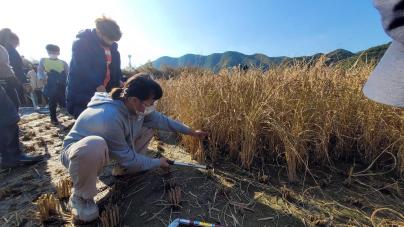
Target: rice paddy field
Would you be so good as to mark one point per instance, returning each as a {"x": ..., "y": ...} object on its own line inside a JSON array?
[{"x": 296, "y": 145}]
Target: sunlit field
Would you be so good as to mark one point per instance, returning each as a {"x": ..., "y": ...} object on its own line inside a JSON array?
[{"x": 301, "y": 115}]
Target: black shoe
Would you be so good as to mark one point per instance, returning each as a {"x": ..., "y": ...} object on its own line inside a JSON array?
[
  {"x": 26, "y": 159},
  {"x": 55, "y": 122},
  {"x": 21, "y": 160}
]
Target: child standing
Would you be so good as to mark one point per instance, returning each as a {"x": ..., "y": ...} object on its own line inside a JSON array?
[
  {"x": 54, "y": 72},
  {"x": 37, "y": 87}
]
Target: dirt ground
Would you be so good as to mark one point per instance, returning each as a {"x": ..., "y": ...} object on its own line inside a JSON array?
[{"x": 227, "y": 195}]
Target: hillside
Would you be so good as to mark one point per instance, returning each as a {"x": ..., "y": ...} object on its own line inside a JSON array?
[
  {"x": 227, "y": 59},
  {"x": 218, "y": 60}
]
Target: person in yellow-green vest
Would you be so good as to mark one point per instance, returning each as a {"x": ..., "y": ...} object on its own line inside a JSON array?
[{"x": 53, "y": 72}]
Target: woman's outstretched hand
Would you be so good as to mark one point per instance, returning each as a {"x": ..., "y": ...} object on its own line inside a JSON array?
[
  {"x": 164, "y": 163},
  {"x": 199, "y": 134}
]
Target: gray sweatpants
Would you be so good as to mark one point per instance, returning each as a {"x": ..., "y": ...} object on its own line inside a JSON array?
[{"x": 86, "y": 158}]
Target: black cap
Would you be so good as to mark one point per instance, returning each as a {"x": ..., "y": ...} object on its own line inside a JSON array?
[{"x": 52, "y": 48}]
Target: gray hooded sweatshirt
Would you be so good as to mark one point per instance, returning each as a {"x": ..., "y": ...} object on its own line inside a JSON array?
[{"x": 111, "y": 120}]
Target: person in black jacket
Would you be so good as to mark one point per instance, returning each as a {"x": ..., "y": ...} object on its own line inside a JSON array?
[
  {"x": 10, "y": 151},
  {"x": 10, "y": 87},
  {"x": 95, "y": 64},
  {"x": 10, "y": 41}
]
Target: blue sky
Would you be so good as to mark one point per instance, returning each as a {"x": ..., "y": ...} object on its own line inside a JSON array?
[{"x": 154, "y": 28}]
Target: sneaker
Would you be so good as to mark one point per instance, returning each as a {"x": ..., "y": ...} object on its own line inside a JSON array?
[{"x": 83, "y": 209}]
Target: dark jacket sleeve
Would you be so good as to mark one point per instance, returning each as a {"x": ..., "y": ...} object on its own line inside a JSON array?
[
  {"x": 7, "y": 75},
  {"x": 16, "y": 63},
  {"x": 116, "y": 72},
  {"x": 119, "y": 71},
  {"x": 82, "y": 60},
  {"x": 9, "y": 113}
]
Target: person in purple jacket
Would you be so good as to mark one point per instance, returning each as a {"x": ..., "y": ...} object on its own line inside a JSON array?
[{"x": 95, "y": 64}]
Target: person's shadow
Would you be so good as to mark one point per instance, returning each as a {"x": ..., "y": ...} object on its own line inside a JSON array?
[{"x": 21, "y": 187}]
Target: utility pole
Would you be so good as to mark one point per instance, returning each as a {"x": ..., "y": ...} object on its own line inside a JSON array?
[{"x": 130, "y": 61}]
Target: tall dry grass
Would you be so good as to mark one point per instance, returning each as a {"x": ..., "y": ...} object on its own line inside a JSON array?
[{"x": 302, "y": 114}]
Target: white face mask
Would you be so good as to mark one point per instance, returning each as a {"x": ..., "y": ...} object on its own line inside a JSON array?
[
  {"x": 140, "y": 115},
  {"x": 149, "y": 109},
  {"x": 53, "y": 56}
]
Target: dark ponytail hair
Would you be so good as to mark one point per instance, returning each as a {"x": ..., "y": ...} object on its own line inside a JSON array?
[
  {"x": 116, "y": 93},
  {"x": 141, "y": 86}
]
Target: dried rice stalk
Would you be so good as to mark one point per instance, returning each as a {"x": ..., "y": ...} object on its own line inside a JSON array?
[
  {"x": 48, "y": 205},
  {"x": 110, "y": 216},
  {"x": 64, "y": 188},
  {"x": 174, "y": 196}
]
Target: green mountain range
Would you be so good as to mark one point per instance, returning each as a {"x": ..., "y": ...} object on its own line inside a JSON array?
[{"x": 227, "y": 59}]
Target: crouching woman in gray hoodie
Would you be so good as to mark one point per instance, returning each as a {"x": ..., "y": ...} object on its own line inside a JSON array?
[{"x": 115, "y": 126}]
